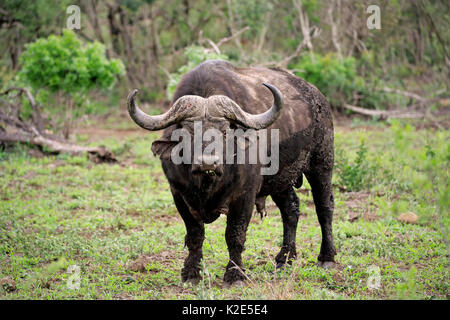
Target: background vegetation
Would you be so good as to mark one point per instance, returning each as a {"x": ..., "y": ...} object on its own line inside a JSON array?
[
  {"x": 117, "y": 220},
  {"x": 327, "y": 42}
]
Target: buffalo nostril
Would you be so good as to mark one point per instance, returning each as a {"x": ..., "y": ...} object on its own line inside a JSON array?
[
  {"x": 207, "y": 160},
  {"x": 207, "y": 164}
]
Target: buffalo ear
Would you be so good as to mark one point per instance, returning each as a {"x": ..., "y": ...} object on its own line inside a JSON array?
[{"x": 163, "y": 148}]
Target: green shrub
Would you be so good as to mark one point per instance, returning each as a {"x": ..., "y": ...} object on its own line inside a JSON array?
[
  {"x": 63, "y": 63},
  {"x": 335, "y": 78},
  {"x": 339, "y": 81}
]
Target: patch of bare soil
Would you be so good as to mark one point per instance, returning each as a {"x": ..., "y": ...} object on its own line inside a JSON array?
[
  {"x": 271, "y": 206},
  {"x": 358, "y": 206},
  {"x": 8, "y": 284},
  {"x": 168, "y": 218},
  {"x": 95, "y": 133},
  {"x": 175, "y": 290},
  {"x": 124, "y": 296},
  {"x": 141, "y": 264}
]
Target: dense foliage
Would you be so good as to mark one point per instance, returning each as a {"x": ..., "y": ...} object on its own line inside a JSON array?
[
  {"x": 156, "y": 41},
  {"x": 64, "y": 63}
]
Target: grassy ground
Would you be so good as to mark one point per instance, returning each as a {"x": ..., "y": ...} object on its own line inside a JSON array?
[{"x": 119, "y": 225}]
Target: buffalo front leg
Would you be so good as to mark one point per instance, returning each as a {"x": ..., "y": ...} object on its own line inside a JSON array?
[
  {"x": 194, "y": 241},
  {"x": 288, "y": 204},
  {"x": 320, "y": 181},
  {"x": 238, "y": 219},
  {"x": 195, "y": 235}
]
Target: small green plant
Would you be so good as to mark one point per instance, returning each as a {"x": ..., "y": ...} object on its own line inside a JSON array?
[
  {"x": 357, "y": 175},
  {"x": 407, "y": 290}
]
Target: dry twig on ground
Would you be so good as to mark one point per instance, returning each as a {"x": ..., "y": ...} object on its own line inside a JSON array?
[{"x": 16, "y": 130}]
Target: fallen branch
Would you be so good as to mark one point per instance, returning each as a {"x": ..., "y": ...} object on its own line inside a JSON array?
[
  {"x": 405, "y": 93},
  {"x": 20, "y": 131},
  {"x": 96, "y": 154},
  {"x": 36, "y": 117},
  {"x": 384, "y": 114}
]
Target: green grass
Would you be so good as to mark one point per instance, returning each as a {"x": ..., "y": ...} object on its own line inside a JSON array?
[{"x": 59, "y": 211}]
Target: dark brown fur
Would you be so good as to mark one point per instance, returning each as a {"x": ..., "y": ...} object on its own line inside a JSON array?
[{"x": 306, "y": 147}]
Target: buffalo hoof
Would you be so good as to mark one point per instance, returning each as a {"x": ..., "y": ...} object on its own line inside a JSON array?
[
  {"x": 233, "y": 275},
  {"x": 280, "y": 266},
  {"x": 326, "y": 264},
  {"x": 193, "y": 281},
  {"x": 190, "y": 276},
  {"x": 283, "y": 266}
]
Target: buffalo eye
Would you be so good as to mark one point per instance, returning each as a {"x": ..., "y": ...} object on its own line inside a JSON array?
[{"x": 233, "y": 126}]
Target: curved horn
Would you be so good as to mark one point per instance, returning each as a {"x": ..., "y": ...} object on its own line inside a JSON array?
[
  {"x": 255, "y": 121},
  {"x": 184, "y": 107}
]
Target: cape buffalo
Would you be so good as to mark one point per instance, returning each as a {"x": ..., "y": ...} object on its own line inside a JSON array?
[{"x": 218, "y": 95}]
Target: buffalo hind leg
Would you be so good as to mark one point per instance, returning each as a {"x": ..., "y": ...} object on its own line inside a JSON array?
[
  {"x": 238, "y": 219},
  {"x": 288, "y": 203},
  {"x": 320, "y": 181},
  {"x": 195, "y": 235}
]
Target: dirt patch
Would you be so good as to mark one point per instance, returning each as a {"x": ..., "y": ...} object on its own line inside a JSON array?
[
  {"x": 174, "y": 290},
  {"x": 144, "y": 261},
  {"x": 168, "y": 219},
  {"x": 101, "y": 133},
  {"x": 358, "y": 196},
  {"x": 271, "y": 207},
  {"x": 124, "y": 296},
  {"x": 370, "y": 216},
  {"x": 8, "y": 284},
  {"x": 140, "y": 264},
  {"x": 56, "y": 164},
  {"x": 358, "y": 204}
]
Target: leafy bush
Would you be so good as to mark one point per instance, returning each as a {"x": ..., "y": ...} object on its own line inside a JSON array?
[
  {"x": 194, "y": 56},
  {"x": 338, "y": 80},
  {"x": 64, "y": 63},
  {"x": 335, "y": 78}
]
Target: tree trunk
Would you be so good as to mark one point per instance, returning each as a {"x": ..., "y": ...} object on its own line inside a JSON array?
[{"x": 304, "y": 23}]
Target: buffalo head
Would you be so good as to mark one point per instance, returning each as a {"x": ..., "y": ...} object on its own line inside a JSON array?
[{"x": 215, "y": 112}]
